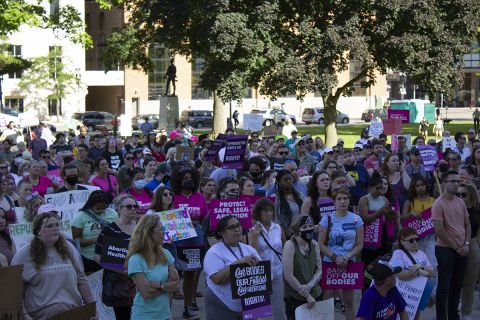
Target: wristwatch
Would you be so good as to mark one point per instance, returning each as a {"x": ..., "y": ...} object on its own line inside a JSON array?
[{"x": 467, "y": 243}]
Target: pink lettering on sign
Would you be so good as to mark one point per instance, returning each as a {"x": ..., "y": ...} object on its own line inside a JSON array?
[
  {"x": 423, "y": 226},
  {"x": 373, "y": 232},
  {"x": 336, "y": 278}
]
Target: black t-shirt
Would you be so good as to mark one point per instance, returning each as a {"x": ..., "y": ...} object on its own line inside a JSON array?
[
  {"x": 474, "y": 217},
  {"x": 115, "y": 160},
  {"x": 65, "y": 147},
  {"x": 95, "y": 152}
]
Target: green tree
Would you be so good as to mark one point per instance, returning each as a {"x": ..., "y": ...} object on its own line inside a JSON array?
[{"x": 286, "y": 47}]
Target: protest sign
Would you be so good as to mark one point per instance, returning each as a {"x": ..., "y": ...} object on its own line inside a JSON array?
[
  {"x": 392, "y": 126},
  {"x": 215, "y": 147},
  {"x": 190, "y": 257},
  {"x": 403, "y": 115},
  {"x": 323, "y": 310},
  {"x": 79, "y": 313},
  {"x": 277, "y": 163},
  {"x": 411, "y": 292},
  {"x": 28, "y": 119},
  {"x": 429, "y": 157},
  {"x": 69, "y": 203},
  {"x": 326, "y": 206},
  {"x": 448, "y": 143},
  {"x": 239, "y": 208},
  {"x": 270, "y": 131},
  {"x": 235, "y": 151},
  {"x": 22, "y": 234},
  {"x": 256, "y": 307},
  {"x": 336, "y": 278},
  {"x": 20, "y": 213},
  {"x": 95, "y": 282},
  {"x": 375, "y": 129},
  {"x": 114, "y": 252},
  {"x": 55, "y": 176},
  {"x": 373, "y": 232},
  {"x": 184, "y": 153},
  {"x": 11, "y": 292},
  {"x": 423, "y": 226},
  {"x": 177, "y": 224},
  {"x": 252, "y": 122},
  {"x": 248, "y": 281}
]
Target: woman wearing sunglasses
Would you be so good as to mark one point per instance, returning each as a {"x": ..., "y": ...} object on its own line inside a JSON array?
[
  {"x": 117, "y": 280},
  {"x": 413, "y": 261},
  {"x": 468, "y": 193}
]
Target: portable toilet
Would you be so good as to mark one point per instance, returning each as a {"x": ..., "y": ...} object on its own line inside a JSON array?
[
  {"x": 430, "y": 112},
  {"x": 405, "y": 105}
]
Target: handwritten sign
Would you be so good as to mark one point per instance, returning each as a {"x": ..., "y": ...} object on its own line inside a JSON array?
[
  {"x": 373, "y": 232},
  {"x": 240, "y": 208},
  {"x": 69, "y": 203},
  {"x": 336, "y": 278},
  {"x": 412, "y": 292},
  {"x": 403, "y": 115},
  {"x": 429, "y": 157},
  {"x": 235, "y": 151},
  {"x": 375, "y": 129},
  {"x": 215, "y": 147},
  {"x": 448, "y": 143},
  {"x": 392, "y": 126},
  {"x": 191, "y": 257},
  {"x": 323, "y": 310},
  {"x": 114, "y": 252},
  {"x": 177, "y": 224},
  {"x": 11, "y": 292},
  {"x": 22, "y": 233},
  {"x": 248, "y": 281},
  {"x": 252, "y": 121},
  {"x": 270, "y": 131},
  {"x": 423, "y": 226}
]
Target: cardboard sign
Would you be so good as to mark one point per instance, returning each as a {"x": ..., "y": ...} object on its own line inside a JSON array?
[
  {"x": 323, "y": 310},
  {"x": 412, "y": 292},
  {"x": 215, "y": 147},
  {"x": 252, "y": 122},
  {"x": 429, "y": 157},
  {"x": 80, "y": 313},
  {"x": 192, "y": 257},
  {"x": 239, "y": 208},
  {"x": 336, "y": 278},
  {"x": 256, "y": 307},
  {"x": 69, "y": 203},
  {"x": 95, "y": 282},
  {"x": 22, "y": 233},
  {"x": 249, "y": 281},
  {"x": 375, "y": 129},
  {"x": 403, "y": 115},
  {"x": 28, "y": 119},
  {"x": 448, "y": 143},
  {"x": 423, "y": 226},
  {"x": 235, "y": 151},
  {"x": 270, "y": 131},
  {"x": 392, "y": 126},
  {"x": 114, "y": 252},
  {"x": 177, "y": 224},
  {"x": 11, "y": 292},
  {"x": 184, "y": 153},
  {"x": 373, "y": 232}
]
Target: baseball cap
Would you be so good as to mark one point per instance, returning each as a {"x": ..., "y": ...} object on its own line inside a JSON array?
[
  {"x": 358, "y": 145},
  {"x": 381, "y": 270},
  {"x": 47, "y": 208},
  {"x": 147, "y": 151}
]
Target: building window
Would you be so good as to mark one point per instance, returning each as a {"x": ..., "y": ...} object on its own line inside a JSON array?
[
  {"x": 355, "y": 69},
  {"x": 472, "y": 60},
  {"x": 55, "y": 54},
  {"x": 14, "y": 103},
  {"x": 15, "y": 51},
  {"x": 156, "y": 79},
  {"x": 197, "y": 91},
  {"x": 54, "y": 7},
  {"x": 52, "y": 107}
]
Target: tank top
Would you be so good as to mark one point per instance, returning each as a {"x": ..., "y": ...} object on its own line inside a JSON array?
[
  {"x": 399, "y": 192},
  {"x": 418, "y": 206},
  {"x": 303, "y": 270},
  {"x": 375, "y": 204}
]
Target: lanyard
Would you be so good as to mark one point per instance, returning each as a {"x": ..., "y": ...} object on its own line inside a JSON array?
[{"x": 230, "y": 249}]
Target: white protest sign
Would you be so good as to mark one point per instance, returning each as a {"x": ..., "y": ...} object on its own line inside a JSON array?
[
  {"x": 20, "y": 213},
  {"x": 376, "y": 128},
  {"x": 448, "y": 142},
  {"x": 95, "y": 282},
  {"x": 22, "y": 234},
  {"x": 125, "y": 126},
  {"x": 28, "y": 119},
  {"x": 323, "y": 310},
  {"x": 177, "y": 224},
  {"x": 252, "y": 122},
  {"x": 412, "y": 292},
  {"x": 69, "y": 203}
]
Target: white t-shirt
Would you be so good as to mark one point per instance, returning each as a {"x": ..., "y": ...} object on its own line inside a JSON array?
[
  {"x": 217, "y": 258},
  {"x": 400, "y": 259},
  {"x": 274, "y": 237}
]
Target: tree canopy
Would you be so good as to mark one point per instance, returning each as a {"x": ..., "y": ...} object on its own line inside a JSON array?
[{"x": 293, "y": 47}]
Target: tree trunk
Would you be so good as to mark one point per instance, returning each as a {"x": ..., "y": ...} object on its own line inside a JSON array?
[
  {"x": 220, "y": 115},
  {"x": 330, "y": 104}
]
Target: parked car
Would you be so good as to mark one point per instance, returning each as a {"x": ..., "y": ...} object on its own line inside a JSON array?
[
  {"x": 197, "y": 118},
  {"x": 10, "y": 112},
  {"x": 95, "y": 120},
  {"x": 370, "y": 113},
  {"x": 315, "y": 115},
  {"x": 137, "y": 121},
  {"x": 274, "y": 115}
]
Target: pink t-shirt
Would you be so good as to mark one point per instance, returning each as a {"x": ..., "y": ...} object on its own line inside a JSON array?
[
  {"x": 372, "y": 163},
  {"x": 144, "y": 199},
  {"x": 195, "y": 205},
  {"x": 103, "y": 184},
  {"x": 43, "y": 184},
  {"x": 452, "y": 213}
]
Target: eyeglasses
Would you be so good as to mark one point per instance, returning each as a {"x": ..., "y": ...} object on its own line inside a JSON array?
[
  {"x": 283, "y": 153},
  {"x": 234, "y": 227},
  {"x": 131, "y": 206},
  {"x": 412, "y": 241},
  {"x": 357, "y": 149},
  {"x": 461, "y": 194},
  {"x": 167, "y": 194}
]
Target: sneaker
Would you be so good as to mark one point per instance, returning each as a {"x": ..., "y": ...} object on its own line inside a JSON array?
[
  {"x": 187, "y": 314},
  {"x": 194, "y": 306}
]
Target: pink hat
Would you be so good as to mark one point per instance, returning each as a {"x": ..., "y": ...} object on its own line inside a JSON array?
[{"x": 47, "y": 208}]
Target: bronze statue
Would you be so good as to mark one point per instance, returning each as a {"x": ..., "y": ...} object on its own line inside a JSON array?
[{"x": 171, "y": 76}]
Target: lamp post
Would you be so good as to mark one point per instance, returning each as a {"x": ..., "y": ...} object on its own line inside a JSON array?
[
  {"x": 403, "y": 80},
  {"x": 1, "y": 93},
  {"x": 78, "y": 77}
]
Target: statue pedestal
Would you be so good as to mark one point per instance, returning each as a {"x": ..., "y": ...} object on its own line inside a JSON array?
[{"x": 168, "y": 112}]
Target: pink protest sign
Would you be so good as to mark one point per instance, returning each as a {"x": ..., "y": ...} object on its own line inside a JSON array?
[
  {"x": 403, "y": 115},
  {"x": 373, "y": 232},
  {"x": 336, "y": 278},
  {"x": 253, "y": 199},
  {"x": 55, "y": 176},
  {"x": 424, "y": 226},
  {"x": 239, "y": 208},
  {"x": 392, "y": 126}
]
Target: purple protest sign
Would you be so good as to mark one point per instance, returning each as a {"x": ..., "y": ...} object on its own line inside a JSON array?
[
  {"x": 349, "y": 278},
  {"x": 256, "y": 307},
  {"x": 429, "y": 157},
  {"x": 373, "y": 232},
  {"x": 423, "y": 226},
  {"x": 326, "y": 206},
  {"x": 403, "y": 115},
  {"x": 215, "y": 147},
  {"x": 239, "y": 208},
  {"x": 235, "y": 151}
]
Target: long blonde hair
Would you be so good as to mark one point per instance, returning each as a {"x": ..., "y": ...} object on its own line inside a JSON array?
[{"x": 142, "y": 243}]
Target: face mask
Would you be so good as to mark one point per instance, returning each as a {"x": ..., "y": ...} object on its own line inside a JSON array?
[
  {"x": 139, "y": 184},
  {"x": 307, "y": 235},
  {"x": 72, "y": 180},
  {"x": 256, "y": 174},
  {"x": 188, "y": 185},
  {"x": 233, "y": 194}
]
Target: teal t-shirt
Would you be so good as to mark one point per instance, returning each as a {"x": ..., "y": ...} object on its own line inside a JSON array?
[
  {"x": 158, "y": 307},
  {"x": 91, "y": 228}
]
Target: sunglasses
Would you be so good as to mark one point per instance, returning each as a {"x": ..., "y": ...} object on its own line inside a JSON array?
[
  {"x": 461, "y": 194},
  {"x": 234, "y": 227},
  {"x": 131, "y": 206},
  {"x": 412, "y": 241},
  {"x": 357, "y": 149},
  {"x": 283, "y": 153}
]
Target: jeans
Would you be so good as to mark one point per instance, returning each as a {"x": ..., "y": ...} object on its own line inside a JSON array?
[{"x": 451, "y": 270}]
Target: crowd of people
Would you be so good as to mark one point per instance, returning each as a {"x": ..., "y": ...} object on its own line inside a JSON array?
[{"x": 315, "y": 203}]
